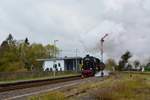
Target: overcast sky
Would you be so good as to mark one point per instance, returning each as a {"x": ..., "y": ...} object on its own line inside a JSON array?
[{"x": 80, "y": 24}]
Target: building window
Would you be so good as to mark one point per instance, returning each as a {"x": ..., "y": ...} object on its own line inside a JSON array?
[
  {"x": 54, "y": 66},
  {"x": 59, "y": 65},
  {"x": 51, "y": 69}
]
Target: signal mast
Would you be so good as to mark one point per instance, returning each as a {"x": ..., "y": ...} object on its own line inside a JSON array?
[{"x": 102, "y": 46}]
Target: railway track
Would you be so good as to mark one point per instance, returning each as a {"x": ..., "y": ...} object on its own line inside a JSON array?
[
  {"x": 25, "y": 91},
  {"x": 22, "y": 92},
  {"x": 35, "y": 83},
  {"x": 25, "y": 94}
]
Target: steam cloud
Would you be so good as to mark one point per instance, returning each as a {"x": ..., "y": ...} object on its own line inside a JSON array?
[{"x": 127, "y": 23}]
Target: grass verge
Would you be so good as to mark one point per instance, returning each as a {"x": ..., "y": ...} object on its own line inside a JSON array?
[
  {"x": 49, "y": 96},
  {"x": 120, "y": 86},
  {"x": 127, "y": 87}
]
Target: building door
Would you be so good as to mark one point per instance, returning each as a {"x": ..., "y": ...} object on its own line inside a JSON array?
[{"x": 69, "y": 64}]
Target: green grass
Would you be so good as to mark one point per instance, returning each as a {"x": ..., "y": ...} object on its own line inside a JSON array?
[
  {"x": 126, "y": 87},
  {"x": 49, "y": 96}
]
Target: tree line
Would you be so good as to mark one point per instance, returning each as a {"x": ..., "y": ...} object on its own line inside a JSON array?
[
  {"x": 21, "y": 55},
  {"x": 125, "y": 65}
]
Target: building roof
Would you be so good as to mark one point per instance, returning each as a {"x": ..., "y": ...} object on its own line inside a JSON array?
[{"x": 60, "y": 58}]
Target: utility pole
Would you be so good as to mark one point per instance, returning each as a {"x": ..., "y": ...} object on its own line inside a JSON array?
[
  {"x": 76, "y": 60},
  {"x": 102, "y": 46}
]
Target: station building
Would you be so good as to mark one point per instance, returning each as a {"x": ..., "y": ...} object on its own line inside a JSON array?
[{"x": 62, "y": 64}]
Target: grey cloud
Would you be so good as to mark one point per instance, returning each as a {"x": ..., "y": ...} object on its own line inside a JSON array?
[{"x": 80, "y": 24}]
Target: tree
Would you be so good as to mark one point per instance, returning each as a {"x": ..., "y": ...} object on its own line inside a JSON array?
[
  {"x": 26, "y": 41},
  {"x": 121, "y": 65},
  {"x": 124, "y": 60},
  {"x": 129, "y": 67},
  {"x": 4, "y": 44},
  {"x": 9, "y": 38},
  {"x": 37, "y": 51},
  {"x": 136, "y": 63},
  {"x": 111, "y": 64},
  {"x": 50, "y": 50},
  {"x": 147, "y": 67},
  {"x": 10, "y": 56},
  {"x": 125, "y": 57},
  {"x": 10, "y": 59},
  {"x": 21, "y": 55}
]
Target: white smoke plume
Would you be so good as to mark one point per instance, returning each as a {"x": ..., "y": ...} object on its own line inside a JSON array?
[{"x": 127, "y": 23}]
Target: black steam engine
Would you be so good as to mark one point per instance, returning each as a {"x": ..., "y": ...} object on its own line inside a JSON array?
[{"x": 91, "y": 65}]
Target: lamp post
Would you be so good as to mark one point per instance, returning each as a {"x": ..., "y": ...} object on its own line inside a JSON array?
[
  {"x": 55, "y": 48},
  {"x": 54, "y": 65}
]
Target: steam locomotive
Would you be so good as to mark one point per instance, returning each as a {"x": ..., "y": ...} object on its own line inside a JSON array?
[{"x": 91, "y": 65}]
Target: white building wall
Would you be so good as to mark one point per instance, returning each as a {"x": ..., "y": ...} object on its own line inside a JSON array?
[{"x": 49, "y": 65}]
